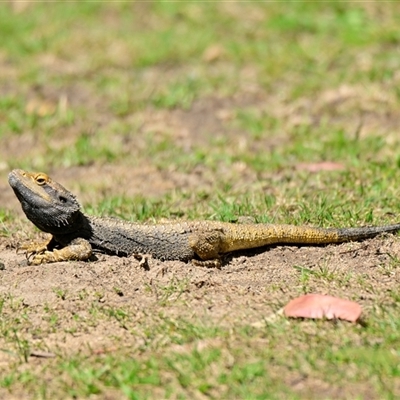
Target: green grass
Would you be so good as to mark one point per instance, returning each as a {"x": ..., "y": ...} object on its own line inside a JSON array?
[
  {"x": 128, "y": 85},
  {"x": 245, "y": 362}
]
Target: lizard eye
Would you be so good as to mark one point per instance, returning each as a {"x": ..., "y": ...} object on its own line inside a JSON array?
[
  {"x": 40, "y": 180},
  {"x": 62, "y": 199}
]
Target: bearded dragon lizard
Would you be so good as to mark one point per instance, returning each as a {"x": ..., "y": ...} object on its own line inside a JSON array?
[{"x": 75, "y": 235}]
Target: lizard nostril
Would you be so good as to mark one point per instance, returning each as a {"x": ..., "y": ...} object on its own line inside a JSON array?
[{"x": 62, "y": 199}]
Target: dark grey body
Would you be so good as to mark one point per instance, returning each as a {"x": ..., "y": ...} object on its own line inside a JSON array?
[{"x": 113, "y": 236}]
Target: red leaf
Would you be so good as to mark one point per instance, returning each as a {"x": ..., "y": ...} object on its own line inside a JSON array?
[{"x": 319, "y": 306}]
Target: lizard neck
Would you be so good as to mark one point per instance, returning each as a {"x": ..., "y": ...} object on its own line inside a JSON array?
[
  {"x": 60, "y": 225},
  {"x": 77, "y": 225}
]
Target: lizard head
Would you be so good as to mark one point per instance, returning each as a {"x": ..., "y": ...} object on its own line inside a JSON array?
[{"x": 46, "y": 203}]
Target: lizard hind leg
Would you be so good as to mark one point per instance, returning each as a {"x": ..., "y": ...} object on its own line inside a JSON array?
[{"x": 206, "y": 244}]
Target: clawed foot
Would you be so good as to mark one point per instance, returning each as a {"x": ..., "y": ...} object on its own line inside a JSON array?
[
  {"x": 36, "y": 253},
  {"x": 34, "y": 250},
  {"x": 39, "y": 253},
  {"x": 40, "y": 258}
]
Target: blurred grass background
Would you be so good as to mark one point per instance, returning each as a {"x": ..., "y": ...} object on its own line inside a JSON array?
[{"x": 223, "y": 97}]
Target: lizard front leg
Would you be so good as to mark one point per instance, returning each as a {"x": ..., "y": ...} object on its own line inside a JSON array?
[
  {"x": 37, "y": 247},
  {"x": 78, "y": 250}
]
